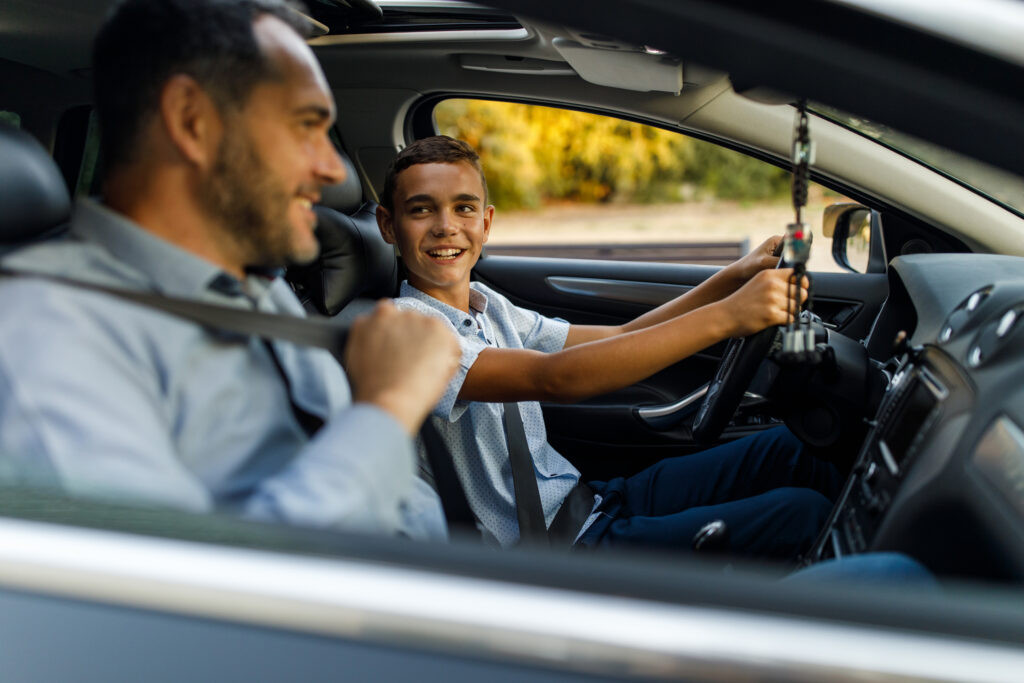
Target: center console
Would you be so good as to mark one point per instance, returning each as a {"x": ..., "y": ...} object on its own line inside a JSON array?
[{"x": 906, "y": 419}]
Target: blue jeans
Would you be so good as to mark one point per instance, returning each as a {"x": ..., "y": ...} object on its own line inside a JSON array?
[
  {"x": 774, "y": 497},
  {"x": 894, "y": 569}
]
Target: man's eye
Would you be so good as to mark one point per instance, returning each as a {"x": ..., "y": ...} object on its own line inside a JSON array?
[
  {"x": 418, "y": 209},
  {"x": 465, "y": 208}
]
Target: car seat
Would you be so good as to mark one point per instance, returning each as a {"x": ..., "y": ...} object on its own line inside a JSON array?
[
  {"x": 34, "y": 201},
  {"x": 355, "y": 266}
]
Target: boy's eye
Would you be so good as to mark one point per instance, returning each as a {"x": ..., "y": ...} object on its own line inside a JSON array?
[{"x": 465, "y": 208}]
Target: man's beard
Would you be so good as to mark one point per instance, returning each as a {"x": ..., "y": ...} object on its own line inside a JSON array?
[{"x": 250, "y": 203}]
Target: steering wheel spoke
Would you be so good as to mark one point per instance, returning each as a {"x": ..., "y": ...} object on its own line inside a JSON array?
[{"x": 739, "y": 364}]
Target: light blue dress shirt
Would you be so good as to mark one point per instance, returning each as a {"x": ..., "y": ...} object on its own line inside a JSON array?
[
  {"x": 474, "y": 431},
  {"x": 102, "y": 397}
]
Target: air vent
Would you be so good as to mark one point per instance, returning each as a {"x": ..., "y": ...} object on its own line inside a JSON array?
[
  {"x": 961, "y": 316},
  {"x": 994, "y": 336}
]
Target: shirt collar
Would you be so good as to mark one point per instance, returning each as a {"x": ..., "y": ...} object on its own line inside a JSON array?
[
  {"x": 169, "y": 269},
  {"x": 477, "y": 302}
]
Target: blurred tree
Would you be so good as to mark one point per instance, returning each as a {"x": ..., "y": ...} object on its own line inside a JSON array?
[{"x": 533, "y": 154}]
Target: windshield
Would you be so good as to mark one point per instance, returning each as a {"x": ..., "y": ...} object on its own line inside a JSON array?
[{"x": 1006, "y": 189}]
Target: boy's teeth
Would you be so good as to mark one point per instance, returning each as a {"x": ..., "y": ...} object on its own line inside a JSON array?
[
  {"x": 445, "y": 252},
  {"x": 305, "y": 203}
]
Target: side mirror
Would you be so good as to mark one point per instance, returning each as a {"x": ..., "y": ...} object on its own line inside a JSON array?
[{"x": 856, "y": 233}]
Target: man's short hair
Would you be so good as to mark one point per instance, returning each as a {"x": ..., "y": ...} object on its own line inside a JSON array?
[
  {"x": 143, "y": 43},
  {"x": 439, "y": 149}
]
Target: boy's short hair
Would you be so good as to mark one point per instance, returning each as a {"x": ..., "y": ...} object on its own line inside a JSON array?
[
  {"x": 439, "y": 149},
  {"x": 143, "y": 43}
]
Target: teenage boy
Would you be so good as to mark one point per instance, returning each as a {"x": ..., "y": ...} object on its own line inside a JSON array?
[{"x": 773, "y": 495}]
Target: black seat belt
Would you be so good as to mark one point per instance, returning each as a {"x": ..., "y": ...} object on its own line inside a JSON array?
[
  {"x": 529, "y": 511},
  {"x": 300, "y": 331},
  {"x": 446, "y": 480}
]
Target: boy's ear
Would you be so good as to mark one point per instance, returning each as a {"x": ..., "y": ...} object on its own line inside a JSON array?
[
  {"x": 488, "y": 217},
  {"x": 385, "y": 225}
]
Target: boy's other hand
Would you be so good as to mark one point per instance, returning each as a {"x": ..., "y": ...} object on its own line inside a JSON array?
[
  {"x": 400, "y": 361},
  {"x": 764, "y": 301},
  {"x": 759, "y": 259}
]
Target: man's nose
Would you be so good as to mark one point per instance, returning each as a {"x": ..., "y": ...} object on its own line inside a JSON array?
[{"x": 329, "y": 166}]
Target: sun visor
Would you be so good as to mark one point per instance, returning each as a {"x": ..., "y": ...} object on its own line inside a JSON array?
[{"x": 628, "y": 69}]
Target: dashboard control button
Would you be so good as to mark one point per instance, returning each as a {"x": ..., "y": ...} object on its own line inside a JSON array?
[{"x": 1006, "y": 323}]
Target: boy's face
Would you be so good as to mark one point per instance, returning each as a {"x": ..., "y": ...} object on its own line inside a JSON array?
[{"x": 440, "y": 224}]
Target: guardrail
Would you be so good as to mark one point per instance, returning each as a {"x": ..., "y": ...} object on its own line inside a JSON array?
[{"x": 710, "y": 253}]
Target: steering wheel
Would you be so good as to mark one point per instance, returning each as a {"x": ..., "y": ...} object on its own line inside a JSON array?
[{"x": 739, "y": 364}]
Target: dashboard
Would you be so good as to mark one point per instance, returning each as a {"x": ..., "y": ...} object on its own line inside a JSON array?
[{"x": 940, "y": 475}]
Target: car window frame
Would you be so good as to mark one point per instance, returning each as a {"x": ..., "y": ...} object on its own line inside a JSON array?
[{"x": 420, "y": 123}]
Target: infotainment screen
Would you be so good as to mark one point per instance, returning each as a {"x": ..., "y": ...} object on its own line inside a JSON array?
[
  {"x": 918, "y": 400},
  {"x": 999, "y": 456}
]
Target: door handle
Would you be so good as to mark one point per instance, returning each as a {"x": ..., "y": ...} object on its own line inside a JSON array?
[{"x": 670, "y": 414}]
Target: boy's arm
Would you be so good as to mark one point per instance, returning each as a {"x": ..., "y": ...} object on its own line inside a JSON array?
[
  {"x": 604, "y": 365},
  {"x": 715, "y": 288}
]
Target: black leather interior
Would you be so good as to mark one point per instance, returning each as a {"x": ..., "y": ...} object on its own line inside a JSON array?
[
  {"x": 34, "y": 201},
  {"x": 354, "y": 261}
]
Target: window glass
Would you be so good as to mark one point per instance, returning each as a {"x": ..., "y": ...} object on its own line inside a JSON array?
[
  {"x": 607, "y": 188},
  {"x": 10, "y": 117}
]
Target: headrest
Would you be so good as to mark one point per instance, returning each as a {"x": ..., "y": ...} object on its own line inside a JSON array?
[
  {"x": 347, "y": 195},
  {"x": 33, "y": 196},
  {"x": 354, "y": 261}
]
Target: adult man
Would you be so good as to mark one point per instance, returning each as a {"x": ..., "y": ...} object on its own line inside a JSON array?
[
  {"x": 214, "y": 118},
  {"x": 773, "y": 495}
]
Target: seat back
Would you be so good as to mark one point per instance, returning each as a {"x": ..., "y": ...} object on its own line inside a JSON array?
[
  {"x": 34, "y": 201},
  {"x": 354, "y": 261}
]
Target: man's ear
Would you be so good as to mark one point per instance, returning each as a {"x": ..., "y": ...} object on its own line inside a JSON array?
[
  {"x": 488, "y": 217},
  {"x": 191, "y": 120},
  {"x": 385, "y": 225}
]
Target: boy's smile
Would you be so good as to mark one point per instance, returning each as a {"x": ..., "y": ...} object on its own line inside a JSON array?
[{"x": 440, "y": 223}]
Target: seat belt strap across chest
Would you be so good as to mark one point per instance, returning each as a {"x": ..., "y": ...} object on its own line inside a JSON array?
[
  {"x": 529, "y": 511},
  {"x": 309, "y": 332}
]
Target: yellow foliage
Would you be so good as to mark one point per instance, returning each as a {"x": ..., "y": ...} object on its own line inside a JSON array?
[{"x": 533, "y": 154}]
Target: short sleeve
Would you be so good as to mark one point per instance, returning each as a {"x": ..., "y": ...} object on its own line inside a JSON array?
[{"x": 536, "y": 332}]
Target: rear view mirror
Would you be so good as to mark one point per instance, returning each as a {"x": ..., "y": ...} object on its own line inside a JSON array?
[{"x": 856, "y": 233}]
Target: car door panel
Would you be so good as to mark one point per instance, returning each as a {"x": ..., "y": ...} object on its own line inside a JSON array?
[{"x": 595, "y": 434}]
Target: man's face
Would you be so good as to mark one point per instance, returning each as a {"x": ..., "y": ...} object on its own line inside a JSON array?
[
  {"x": 274, "y": 156},
  {"x": 440, "y": 224}
]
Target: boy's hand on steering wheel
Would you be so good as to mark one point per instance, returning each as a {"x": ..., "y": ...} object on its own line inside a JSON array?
[
  {"x": 763, "y": 302},
  {"x": 762, "y": 258}
]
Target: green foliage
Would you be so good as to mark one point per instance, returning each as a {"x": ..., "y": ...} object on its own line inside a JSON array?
[
  {"x": 534, "y": 154},
  {"x": 726, "y": 174}
]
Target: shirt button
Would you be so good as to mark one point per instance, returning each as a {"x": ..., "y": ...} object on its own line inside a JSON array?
[{"x": 467, "y": 322}]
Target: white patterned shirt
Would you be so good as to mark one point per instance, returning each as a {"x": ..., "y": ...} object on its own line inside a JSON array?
[{"x": 474, "y": 431}]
